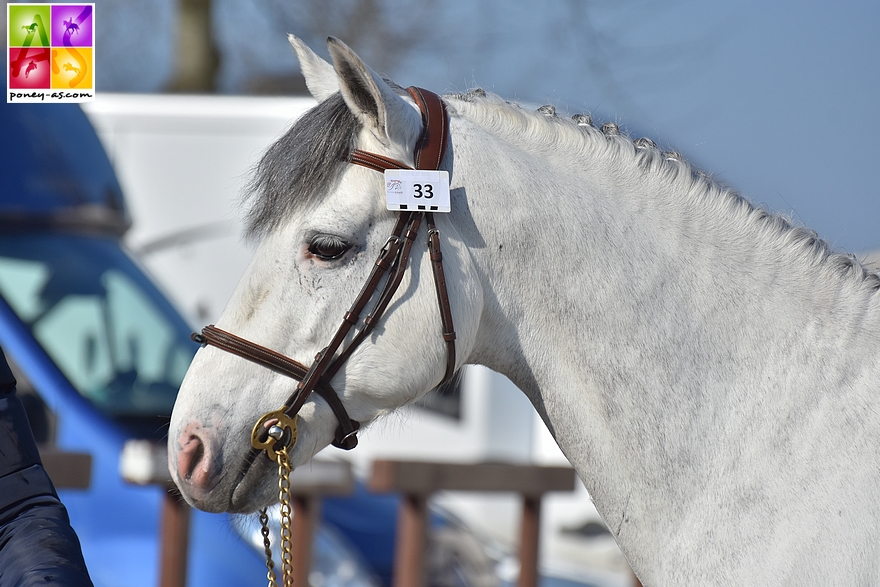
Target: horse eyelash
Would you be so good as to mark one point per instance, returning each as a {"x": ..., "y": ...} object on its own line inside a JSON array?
[{"x": 328, "y": 241}]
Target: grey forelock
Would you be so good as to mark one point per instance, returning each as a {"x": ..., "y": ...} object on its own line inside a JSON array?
[{"x": 298, "y": 169}]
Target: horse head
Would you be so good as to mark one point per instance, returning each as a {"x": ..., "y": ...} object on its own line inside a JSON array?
[{"x": 321, "y": 223}]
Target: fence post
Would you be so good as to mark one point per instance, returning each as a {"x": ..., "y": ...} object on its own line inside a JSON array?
[
  {"x": 530, "y": 531},
  {"x": 308, "y": 484},
  {"x": 306, "y": 510},
  {"x": 174, "y": 547},
  {"x": 409, "y": 550}
]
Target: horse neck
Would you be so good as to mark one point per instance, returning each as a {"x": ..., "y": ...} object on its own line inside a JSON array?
[
  {"x": 653, "y": 318},
  {"x": 606, "y": 236}
]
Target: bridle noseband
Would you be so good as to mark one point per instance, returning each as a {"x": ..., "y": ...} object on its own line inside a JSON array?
[{"x": 392, "y": 260}]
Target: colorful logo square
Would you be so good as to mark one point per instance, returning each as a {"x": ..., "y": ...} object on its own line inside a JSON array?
[
  {"x": 50, "y": 50},
  {"x": 72, "y": 25},
  {"x": 30, "y": 68},
  {"x": 71, "y": 68},
  {"x": 28, "y": 24}
]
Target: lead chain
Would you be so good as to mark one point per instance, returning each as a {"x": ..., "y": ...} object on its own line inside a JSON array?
[
  {"x": 284, "y": 497},
  {"x": 267, "y": 547},
  {"x": 285, "y": 512}
]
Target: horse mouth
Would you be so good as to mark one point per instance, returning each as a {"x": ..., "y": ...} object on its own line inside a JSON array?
[
  {"x": 244, "y": 495},
  {"x": 249, "y": 482}
]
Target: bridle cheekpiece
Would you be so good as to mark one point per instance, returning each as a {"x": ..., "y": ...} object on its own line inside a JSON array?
[{"x": 277, "y": 429}]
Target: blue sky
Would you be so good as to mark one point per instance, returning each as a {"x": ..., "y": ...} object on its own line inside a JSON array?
[{"x": 779, "y": 100}]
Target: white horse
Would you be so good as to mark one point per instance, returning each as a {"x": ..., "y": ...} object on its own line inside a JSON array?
[{"x": 712, "y": 372}]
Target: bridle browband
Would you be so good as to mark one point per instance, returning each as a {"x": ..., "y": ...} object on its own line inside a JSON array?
[{"x": 392, "y": 260}]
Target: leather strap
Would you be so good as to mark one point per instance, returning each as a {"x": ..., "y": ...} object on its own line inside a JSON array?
[
  {"x": 324, "y": 359},
  {"x": 286, "y": 366},
  {"x": 391, "y": 285},
  {"x": 431, "y": 146},
  {"x": 429, "y": 152},
  {"x": 442, "y": 295},
  {"x": 375, "y": 162}
]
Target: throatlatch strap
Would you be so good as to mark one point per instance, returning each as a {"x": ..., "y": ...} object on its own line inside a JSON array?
[{"x": 442, "y": 296}]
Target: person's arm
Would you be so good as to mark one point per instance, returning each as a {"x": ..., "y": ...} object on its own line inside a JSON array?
[{"x": 37, "y": 544}]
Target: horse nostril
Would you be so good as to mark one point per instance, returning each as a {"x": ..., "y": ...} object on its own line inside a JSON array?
[
  {"x": 195, "y": 461},
  {"x": 194, "y": 451}
]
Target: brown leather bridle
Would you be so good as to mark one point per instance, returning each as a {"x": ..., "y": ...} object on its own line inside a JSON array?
[{"x": 392, "y": 260}]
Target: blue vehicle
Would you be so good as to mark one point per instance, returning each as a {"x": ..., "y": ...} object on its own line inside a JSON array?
[{"x": 99, "y": 353}]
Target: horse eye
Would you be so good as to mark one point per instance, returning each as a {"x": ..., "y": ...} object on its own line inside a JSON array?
[{"x": 327, "y": 247}]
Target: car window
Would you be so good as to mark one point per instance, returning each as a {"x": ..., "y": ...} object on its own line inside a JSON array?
[{"x": 103, "y": 323}]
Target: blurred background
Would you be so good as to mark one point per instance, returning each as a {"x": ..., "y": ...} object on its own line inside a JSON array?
[{"x": 776, "y": 100}]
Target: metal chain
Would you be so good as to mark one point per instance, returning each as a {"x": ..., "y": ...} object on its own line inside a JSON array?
[
  {"x": 284, "y": 497},
  {"x": 284, "y": 470},
  {"x": 270, "y": 565}
]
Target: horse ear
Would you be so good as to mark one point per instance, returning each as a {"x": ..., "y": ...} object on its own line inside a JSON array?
[
  {"x": 373, "y": 101},
  {"x": 320, "y": 76}
]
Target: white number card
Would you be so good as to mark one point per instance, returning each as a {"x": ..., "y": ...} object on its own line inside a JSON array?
[{"x": 417, "y": 189}]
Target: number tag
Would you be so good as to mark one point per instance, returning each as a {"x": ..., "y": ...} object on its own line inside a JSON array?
[{"x": 417, "y": 189}]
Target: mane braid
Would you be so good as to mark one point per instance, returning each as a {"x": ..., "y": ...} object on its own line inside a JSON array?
[
  {"x": 581, "y": 138},
  {"x": 299, "y": 168}
]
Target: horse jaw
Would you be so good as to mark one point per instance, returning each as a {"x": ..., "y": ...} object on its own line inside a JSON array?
[{"x": 319, "y": 75}]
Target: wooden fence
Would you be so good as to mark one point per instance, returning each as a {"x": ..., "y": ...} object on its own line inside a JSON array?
[
  {"x": 417, "y": 481},
  {"x": 146, "y": 463}
]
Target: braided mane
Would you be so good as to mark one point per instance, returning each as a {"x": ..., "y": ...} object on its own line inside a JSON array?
[{"x": 580, "y": 137}]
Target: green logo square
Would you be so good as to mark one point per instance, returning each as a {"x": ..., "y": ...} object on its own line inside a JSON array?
[{"x": 29, "y": 25}]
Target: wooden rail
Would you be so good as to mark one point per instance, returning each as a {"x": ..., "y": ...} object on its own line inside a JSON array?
[
  {"x": 145, "y": 463},
  {"x": 416, "y": 481}
]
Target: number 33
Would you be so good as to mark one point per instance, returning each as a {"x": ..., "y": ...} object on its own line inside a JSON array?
[{"x": 426, "y": 191}]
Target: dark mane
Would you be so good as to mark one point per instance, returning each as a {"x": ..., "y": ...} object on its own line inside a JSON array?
[{"x": 298, "y": 168}]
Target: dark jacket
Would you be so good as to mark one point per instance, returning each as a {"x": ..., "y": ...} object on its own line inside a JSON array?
[{"x": 37, "y": 544}]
